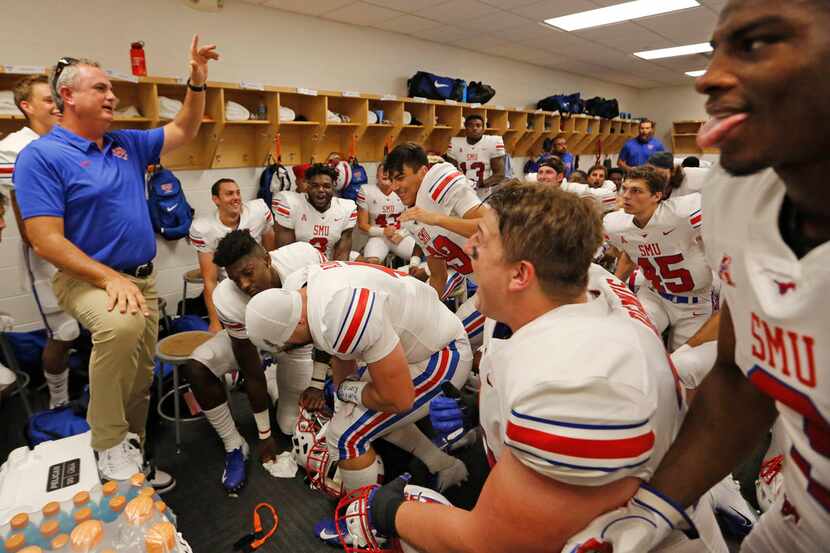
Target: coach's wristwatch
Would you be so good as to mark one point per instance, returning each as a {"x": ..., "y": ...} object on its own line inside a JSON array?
[{"x": 196, "y": 88}]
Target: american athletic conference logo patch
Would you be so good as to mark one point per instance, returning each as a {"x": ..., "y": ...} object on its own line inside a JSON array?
[
  {"x": 725, "y": 270},
  {"x": 120, "y": 152}
]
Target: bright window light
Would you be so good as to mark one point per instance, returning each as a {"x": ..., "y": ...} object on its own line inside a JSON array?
[
  {"x": 620, "y": 12},
  {"x": 687, "y": 50},
  {"x": 698, "y": 73}
]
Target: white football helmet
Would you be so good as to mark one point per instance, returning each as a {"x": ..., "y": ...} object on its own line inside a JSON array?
[
  {"x": 323, "y": 473},
  {"x": 344, "y": 175},
  {"x": 305, "y": 434},
  {"x": 770, "y": 479},
  {"x": 352, "y": 517}
]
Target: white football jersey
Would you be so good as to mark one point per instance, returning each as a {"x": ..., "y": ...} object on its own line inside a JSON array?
[
  {"x": 230, "y": 301},
  {"x": 695, "y": 180},
  {"x": 669, "y": 249},
  {"x": 474, "y": 159},
  {"x": 208, "y": 230},
  {"x": 780, "y": 308},
  {"x": 321, "y": 230},
  {"x": 605, "y": 196},
  {"x": 10, "y": 146},
  {"x": 360, "y": 311},
  {"x": 444, "y": 190},
  {"x": 384, "y": 209},
  {"x": 580, "y": 414}
]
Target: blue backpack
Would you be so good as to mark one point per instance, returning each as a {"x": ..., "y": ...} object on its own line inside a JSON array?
[
  {"x": 60, "y": 422},
  {"x": 169, "y": 211},
  {"x": 275, "y": 178}
]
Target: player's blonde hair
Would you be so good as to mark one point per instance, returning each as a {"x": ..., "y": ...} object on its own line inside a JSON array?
[{"x": 556, "y": 231}]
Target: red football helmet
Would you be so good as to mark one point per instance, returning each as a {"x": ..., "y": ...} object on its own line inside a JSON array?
[{"x": 324, "y": 474}]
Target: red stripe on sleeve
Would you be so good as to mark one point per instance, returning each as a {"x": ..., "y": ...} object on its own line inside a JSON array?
[{"x": 625, "y": 448}]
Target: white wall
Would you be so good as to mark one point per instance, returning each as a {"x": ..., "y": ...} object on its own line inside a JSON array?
[
  {"x": 668, "y": 104},
  {"x": 256, "y": 43}
]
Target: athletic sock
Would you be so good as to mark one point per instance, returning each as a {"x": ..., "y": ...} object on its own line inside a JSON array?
[
  {"x": 354, "y": 479},
  {"x": 221, "y": 420},
  {"x": 58, "y": 387},
  {"x": 412, "y": 440}
]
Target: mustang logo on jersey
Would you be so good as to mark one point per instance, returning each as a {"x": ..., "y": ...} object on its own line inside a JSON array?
[
  {"x": 784, "y": 287},
  {"x": 725, "y": 272}
]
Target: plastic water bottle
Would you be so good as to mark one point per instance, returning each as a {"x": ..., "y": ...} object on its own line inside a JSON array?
[
  {"x": 136, "y": 483},
  {"x": 80, "y": 501},
  {"x": 113, "y": 509},
  {"x": 162, "y": 509},
  {"x": 14, "y": 543},
  {"x": 262, "y": 111},
  {"x": 82, "y": 515},
  {"x": 20, "y": 525},
  {"x": 108, "y": 491},
  {"x": 59, "y": 543},
  {"x": 48, "y": 531}
]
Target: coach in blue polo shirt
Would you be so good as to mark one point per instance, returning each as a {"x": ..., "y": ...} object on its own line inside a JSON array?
[
  {"x": 636, "y": 151},
  {"x": 80, "y": 190}
]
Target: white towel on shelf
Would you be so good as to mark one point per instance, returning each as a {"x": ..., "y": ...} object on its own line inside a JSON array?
[
  {"x": 287, "y": 114},
  {"x": 332, "y": 117},
  {"x": 407, "y": 118},
  {"x": 128, "y": 111},
  {"x": 169, "y": 107},
  {"x": 236, "y": 112},
  {"x": 373, "y": 118},
  {"x": 7, "y": 106}
]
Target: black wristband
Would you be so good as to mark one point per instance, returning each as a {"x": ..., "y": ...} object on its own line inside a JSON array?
[
  {"x": 196, "y": 88},
  {"x": 385, "y": 503}
]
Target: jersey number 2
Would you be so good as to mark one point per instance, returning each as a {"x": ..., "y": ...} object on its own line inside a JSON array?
[
  {"x": 676, "y": 281},
  {"x": 479, "y": 168}
]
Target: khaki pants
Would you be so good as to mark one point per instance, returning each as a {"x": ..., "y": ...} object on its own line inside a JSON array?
[{"x": 123, "y": 351}]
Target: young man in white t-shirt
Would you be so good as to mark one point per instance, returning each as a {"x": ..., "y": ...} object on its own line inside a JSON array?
[
  {"x": 378, "y": 213},
  {"x": 479, "y": 156},
  {"x": 231, "y": 214},
  {"x": 33, "y": 97},
  {"x": 316, "y": 216},
  {"x": 570, "y": 429}
]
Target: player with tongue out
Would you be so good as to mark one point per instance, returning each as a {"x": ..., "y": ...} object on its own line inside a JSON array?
[{"x": 767, "y": 234}]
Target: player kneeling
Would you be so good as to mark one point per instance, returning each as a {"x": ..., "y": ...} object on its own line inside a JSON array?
[
  {"x": 577, "y": 406},
  {"x": 398, "y": 328}
]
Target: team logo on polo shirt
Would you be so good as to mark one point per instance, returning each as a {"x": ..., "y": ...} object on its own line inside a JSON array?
[{"x": 119, "y": 152}]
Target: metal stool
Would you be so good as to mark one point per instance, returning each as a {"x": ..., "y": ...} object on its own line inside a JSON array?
[
  {"x": 194, "y": 276},
  {"x": 176, "y": 350},
  {"x": 22, "y": 380}
]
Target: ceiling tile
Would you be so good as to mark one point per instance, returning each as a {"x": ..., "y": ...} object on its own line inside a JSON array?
[
  {"x": 408, "y": 6},
  {"x": 686, "y": 27},
  {"x": 361, "y": 13},
  {"x": 553, "y": 8},
  {"x": 408, "y": 24},
  {"x": 497, "y": 21},
  {"x": 508, "y": 4},
  {"x": 317, "y": 7},
  {"x": 479, "y": 42},
  {"x": 460, "y": 11},
  {"x": 626, "y": 37},
  {"x": 445, "y": 34}
]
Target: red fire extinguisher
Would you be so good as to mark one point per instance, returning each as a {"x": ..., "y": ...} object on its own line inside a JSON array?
[{"x": 137, "y": 59}]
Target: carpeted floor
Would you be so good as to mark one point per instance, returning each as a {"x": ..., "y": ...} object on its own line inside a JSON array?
[{"x": 209, "y": 519}]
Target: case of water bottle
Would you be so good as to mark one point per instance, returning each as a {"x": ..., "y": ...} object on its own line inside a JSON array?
[{"x": 52, "y": 500}]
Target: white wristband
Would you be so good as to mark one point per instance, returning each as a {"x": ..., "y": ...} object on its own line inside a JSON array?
[
  {"x": 351, "y": 391},
  {"x": 263, "y": 424},
  {"x": 414, "y": 261},
  {"x": 375, "y": 231},
  {"x": 318, "y": 375}
]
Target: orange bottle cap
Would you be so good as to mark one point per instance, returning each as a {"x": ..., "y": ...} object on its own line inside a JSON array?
[
  {"x": 15, "y": 542},
  {"x": 82, "y": 515},
  {"x": 51, "y": 509},
  {"x": 161, "y": 506},
  {"x": 160, "y": 538},
  {"x": 49, "y": 528},
  {"x": 60, "y": 541},
  {"x": 109, "y": 488},
  {"x": 139, "y": 510},
  {"x": 86, "y": 535},
  {"x": 20, "y": 520},
  {"x": 80, "y": 498},
  {"x": 31, "y": 549},
  {"x": 138, "y": 479},
  {"x": 118, "y": 503},
  {"x": 148, "y": 491}
]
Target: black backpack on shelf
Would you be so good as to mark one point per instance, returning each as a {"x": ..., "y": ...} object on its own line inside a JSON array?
[
  {"x": 480, "y": 93},
  {"x": 563, "y": 103},
  {"x": 436, "y": 87},
  {"x": 607, "y": 109}
]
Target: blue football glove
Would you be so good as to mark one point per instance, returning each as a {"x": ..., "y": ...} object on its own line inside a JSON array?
[{"x": 447, "y": 417}]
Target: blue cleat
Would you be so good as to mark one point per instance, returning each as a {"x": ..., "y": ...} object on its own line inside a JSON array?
[
  {"x": 233, "y": 477},
  {"x": 327, "y": 532}
]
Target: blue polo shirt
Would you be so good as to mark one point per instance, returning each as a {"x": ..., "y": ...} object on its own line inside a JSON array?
[
  {"x": 636, "y": 153},
  {"x": 99, "y": 193},
  {"x": 568, "y": 159}
]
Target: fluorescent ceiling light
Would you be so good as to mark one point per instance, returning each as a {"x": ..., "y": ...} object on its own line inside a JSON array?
[
  {"x": 689, "y": 49},
  {"x": 698, "y": 73},
  {"x": 620, "y": 12}
]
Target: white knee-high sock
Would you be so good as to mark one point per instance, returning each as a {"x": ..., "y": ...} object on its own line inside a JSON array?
[
  {"x": 412, "y": 440},
  {"x": 221, "y": 420},
  {"x": 354, "y": 479},
  {"x": 58, "y": 387}
]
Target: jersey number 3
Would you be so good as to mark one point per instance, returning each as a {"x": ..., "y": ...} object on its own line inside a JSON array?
[
  {"x": 479, "y": 168},
  {"x": 320, "y": 243},
  {"x": 676, "y": 281}
]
